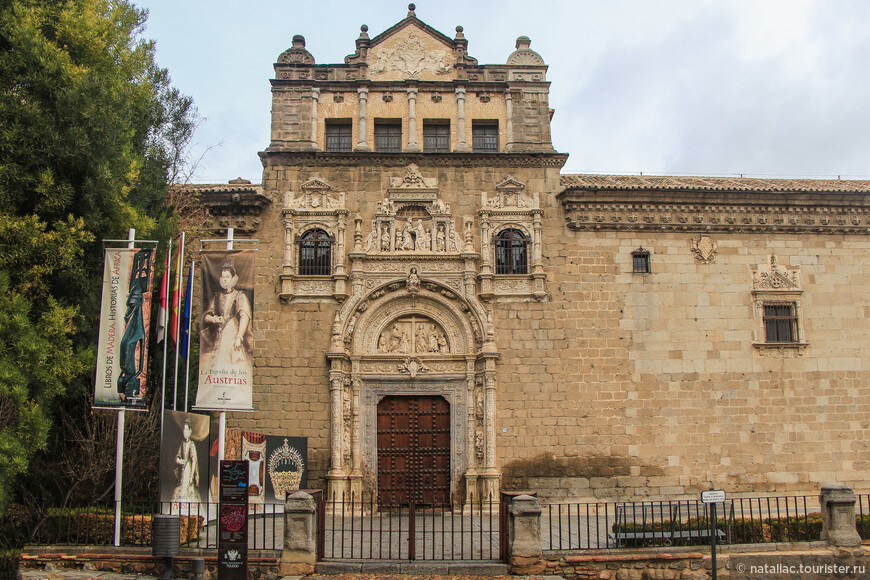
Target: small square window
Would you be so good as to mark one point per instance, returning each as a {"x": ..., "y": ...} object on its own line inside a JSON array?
[
  {"x": 388, "y": 136},
  {"x": 338, "y": 135},
  {"x": 640, "y": 261},
  {"x": 780, "y": 322},
  {"x": 484, "y": 136},
  {"x": 436, "y": 136}
]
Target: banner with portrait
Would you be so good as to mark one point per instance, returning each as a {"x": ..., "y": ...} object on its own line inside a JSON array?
[
  {"x": 125, "y": 318},
  {"x": 226, "y": 338},
  {"x": 184, "y": 457}
]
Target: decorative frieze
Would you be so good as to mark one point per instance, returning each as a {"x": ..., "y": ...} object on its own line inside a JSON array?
[{"x": 722, "y": 211}]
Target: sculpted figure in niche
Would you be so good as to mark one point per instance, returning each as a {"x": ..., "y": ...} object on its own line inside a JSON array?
[
  {"x": 382, "y": 343},
  {"x": 433, "y": 341},
  {"x": 439, "y": 240},
  {"x": 385, "y": 239},
  {"x": 442, "y": 342},
  {"x": 407, "y": 238},
  {"x": 395, "y": 338},
  {"x": 372, "y": 240},
  {"x": 422, "y": 241},
  {"x": 420, "y": 342},
  {"x": 455, "y": 242}
]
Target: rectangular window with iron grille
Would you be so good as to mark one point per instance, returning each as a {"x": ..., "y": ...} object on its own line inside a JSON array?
[
  {"x": 388, "y": 136},
  {"x": 780, "y": 322},
  {"x": 338, "y": 135},
  {"x": 484, "y": 136},
  {"x": 436, "y": 136},
  {"x": 640, "y": 261}
]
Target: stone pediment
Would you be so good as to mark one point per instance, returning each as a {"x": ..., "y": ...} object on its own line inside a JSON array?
[
  {"x": 315, "y": 197},
  {"x": 511, "y": 195},
  {"x": 773, "y": 277}
]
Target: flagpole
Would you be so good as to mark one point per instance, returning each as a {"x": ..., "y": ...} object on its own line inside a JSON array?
[
  {"x": 164, "y": 291},
  {"x": 119, "y": 448},
  {"x": 177, "y": 324},
  {"x": 222, "y": 416},
  {"x": 188, "y": 305}
]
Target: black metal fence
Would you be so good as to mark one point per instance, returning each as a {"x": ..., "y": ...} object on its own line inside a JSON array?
[
  {"x": 353, "y": 527},
  {"x": 95, "y": 525},
  {"x": 592, "y": 526}
]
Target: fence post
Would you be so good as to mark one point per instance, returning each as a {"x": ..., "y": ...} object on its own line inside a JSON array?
[
  {"x": 838, "y": 514},
  {"x": 524, "y": 535},
  {"x": 300, "y": 531}
]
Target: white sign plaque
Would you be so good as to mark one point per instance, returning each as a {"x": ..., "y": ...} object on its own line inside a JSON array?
[{"x": 713, "y": 496}]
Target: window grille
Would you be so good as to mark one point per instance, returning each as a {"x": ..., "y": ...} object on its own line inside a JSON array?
[
  {"x": 388, "y": 137},
  {"x": 436, "y": 137},
  {"x": 780, "y": 323},
  {"x": 640, "y": 261},
  {"x": 511, "y": 252},
  {"x": 338, "y": 136},
  {"x": 315, "y": 251},
  {"x": 484, "y": 137}
]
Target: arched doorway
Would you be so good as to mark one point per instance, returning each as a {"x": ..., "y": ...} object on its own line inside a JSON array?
[{"x": 413, "y": 434}]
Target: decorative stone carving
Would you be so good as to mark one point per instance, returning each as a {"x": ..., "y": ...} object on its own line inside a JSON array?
[
  {"x": 413, "y": 335},
  {"x": 410, "y": 58},
  {"x": 315, "y": 208},
  {"x": 523, "y": 55},
  {"x": 412, "y": 366},
  {"x": 296, "y": 54},
  {"x": 511, "y": 208},
  {"x": 413, "y": 179},
  {"x": 705, "y": 248},
  {"x": 776, "y": 277}
]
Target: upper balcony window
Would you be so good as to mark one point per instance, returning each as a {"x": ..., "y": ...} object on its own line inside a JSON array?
[
  {"x": 388, "y": 135},
  {"x": 511, "y": 252},
  {"x": 338, "y": 135},
  {"x": 436, "y": 136},
  {"x": 484, "y": 136},
  {"x": 315, "y": 253}
]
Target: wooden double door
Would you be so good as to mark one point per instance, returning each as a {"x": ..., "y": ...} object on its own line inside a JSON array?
[{"x": 414, "y": 451}]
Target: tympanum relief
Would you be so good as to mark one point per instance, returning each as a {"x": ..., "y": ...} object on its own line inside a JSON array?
[{"x": 413, "y": 335}]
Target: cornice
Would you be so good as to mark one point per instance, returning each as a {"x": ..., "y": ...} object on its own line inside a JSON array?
[
  {"x": 717, "y": 211},
  {"x": 277, "y": 157}
]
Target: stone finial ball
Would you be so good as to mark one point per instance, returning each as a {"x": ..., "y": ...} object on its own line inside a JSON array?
[
  {"x": 459, "y": 29},
  {"x": 364, "y": 28},
  {"x": 411, "y": 7}
]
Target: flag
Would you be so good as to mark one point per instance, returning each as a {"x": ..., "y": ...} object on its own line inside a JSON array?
[
  {"x": 173, "y": 304},
  {"x": 184, "y": 331},
  {"x": 161, "y": 312}
]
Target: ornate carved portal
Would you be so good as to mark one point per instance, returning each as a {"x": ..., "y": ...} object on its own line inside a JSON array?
[{"x": 413, "y": 326}]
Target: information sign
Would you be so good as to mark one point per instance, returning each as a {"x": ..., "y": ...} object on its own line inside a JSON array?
[
  {"x": 713, "y": 496},
  {"x": 233, "y": 521}
]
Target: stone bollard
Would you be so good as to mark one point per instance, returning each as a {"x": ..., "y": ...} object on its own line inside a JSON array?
[
  {"x": 300, "y": 534},
  {"x": 524, "y": 535},
  {"x": 838, "y": 514}
]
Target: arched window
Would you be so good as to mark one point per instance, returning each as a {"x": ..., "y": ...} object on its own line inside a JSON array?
[
  {"x": 315, "y": 251},
  {"x": 511, "y": 252}
]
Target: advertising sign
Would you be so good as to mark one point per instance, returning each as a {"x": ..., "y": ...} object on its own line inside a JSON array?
[
  {"x": 233, "y": 521},
  {"x": 226, "y": 347},
  {"x": 125, "y": 317}
]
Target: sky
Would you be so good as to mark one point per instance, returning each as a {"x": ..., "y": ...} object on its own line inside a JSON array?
[{"x": 759, "y": 88}]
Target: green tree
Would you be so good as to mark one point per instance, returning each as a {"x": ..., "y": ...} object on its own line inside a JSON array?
[{"x": 91, "y": 134}]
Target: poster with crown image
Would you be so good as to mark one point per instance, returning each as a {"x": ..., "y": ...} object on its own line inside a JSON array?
[{"x": 226, "y": 339}]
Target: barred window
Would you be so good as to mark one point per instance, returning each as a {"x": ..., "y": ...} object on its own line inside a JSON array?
[
  {"x": 640, "y": 261},
  {"x": 484, "y": 136},
  {"x": 338, "y": 135},
  {"x": 511, "y": 252},
  {"x": 315, "y": 251},
  {"x": 436, "y": 136},
  {"x": 780, "y": 322},
  {"x": 388, "y": 136}
]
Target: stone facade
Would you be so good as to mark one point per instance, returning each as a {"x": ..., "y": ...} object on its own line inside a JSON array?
[{"x": 568, "y": 370}]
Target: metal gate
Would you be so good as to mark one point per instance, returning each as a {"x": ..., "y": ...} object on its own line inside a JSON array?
[{"x": 413, "y": 451}]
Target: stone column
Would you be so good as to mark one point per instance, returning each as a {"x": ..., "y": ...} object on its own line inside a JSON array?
[
  {"x": 462, "y": 145},
  {"x": 335, "y": 477},
  {"x": 524, "y": 535},
  {"x": 339, "y": 243},
  {"x": 315, "y": 98},
  {"x": 838, "y": 514},
  {"x": 300, "y": 535},
  {"x": 509, "y": 125},
  {"x": 412, "y": 121},
  {"x": 288, "y": 245},
  {"x": 363, "y": 99}
]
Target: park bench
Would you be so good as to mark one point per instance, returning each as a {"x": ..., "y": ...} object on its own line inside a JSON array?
[{"x": 651, "y": 523}]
